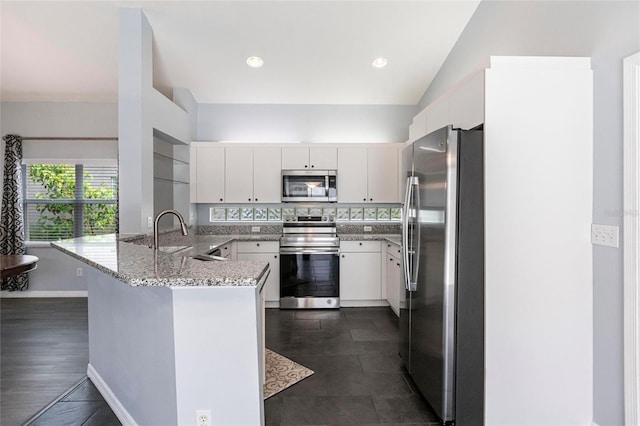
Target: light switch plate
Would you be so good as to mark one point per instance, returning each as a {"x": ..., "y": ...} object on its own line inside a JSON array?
[
  {"x": 605, "y": 235},
  {"x": 367, "y": 228},
  {"x": 255, "y": 229}
]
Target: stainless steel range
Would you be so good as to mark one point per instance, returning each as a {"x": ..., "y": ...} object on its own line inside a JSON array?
[{"x": 309, "y": 263}]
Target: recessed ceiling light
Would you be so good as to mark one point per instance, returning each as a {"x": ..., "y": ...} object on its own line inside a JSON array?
[
  {"x": 255, "y": 61},
  {"x": 379, "y": 62}
]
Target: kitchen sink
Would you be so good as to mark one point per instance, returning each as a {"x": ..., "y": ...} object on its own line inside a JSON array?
[{"x": 174, "y": 249}]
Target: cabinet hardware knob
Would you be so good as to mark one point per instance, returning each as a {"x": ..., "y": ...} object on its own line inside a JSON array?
[
  {"x": 397, "y": 264},
  {"x": 390, "y": 260},
  {"x": 249, "y": 199},
  {"x": 388, "y": 245},
  {"x": 220, "y": 199},
  {"x": 312, "y": 166},
  {"x": 370, "y": 199},
  {"x": 360, "y": 243},
  {"x": 305, "y": 166},
  {"x": 364, "y": 199},
  {"x": 256, "y": 199},
  {"x": 258, "y": 244},
  {"x": 343, "y": 255},
  {"x": 275, "y": 257}
]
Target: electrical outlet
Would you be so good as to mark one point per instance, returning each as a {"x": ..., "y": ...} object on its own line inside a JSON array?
[
  {"x": 604, "y": 235},
  {"x": 367, "y": 228},
  {"x": 255, "y": 229},
  {"x": 203, "y": 417},
  {"x": 79, "y": 272},
  {"x": 149, "y": 222}
]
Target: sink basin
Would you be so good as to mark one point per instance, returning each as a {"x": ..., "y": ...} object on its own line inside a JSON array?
[
  {"x": 208, "y": 257},
  {"x": 173, "y": 249}
]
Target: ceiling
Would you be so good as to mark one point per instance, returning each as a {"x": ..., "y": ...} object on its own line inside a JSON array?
[{"x": 315, "y": 52}]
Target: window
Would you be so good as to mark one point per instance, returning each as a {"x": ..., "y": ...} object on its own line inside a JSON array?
[{"x": 69, "y": 200}]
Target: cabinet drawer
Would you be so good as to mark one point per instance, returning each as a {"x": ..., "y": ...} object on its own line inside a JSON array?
[
  {"x": 360, "y": 246},
  {"x": 258, "y": 247},
  {"x": 393, "y": 250}
]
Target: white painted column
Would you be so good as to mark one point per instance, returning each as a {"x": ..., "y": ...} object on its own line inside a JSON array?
[
  {"x": 539, "y": 284},
  {"x": 135, "y": 145}
]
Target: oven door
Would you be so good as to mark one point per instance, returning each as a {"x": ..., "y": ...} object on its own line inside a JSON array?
[{"x": 309, "y": 278}]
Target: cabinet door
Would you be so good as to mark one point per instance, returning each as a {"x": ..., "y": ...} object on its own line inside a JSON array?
[
  {"x": 352, "y": 175},
  {"x": 295, "y": 158},
  {"x": 382, "y": 174},
  {"x": 210, "y": 174},
  {"x": 360, "y": 276},
  {"x": 266, "y": 175},
  {"x": 393, "y": 283},
  {"x": 323, "y": 158},
  {"x": 272, "y": 286},
  {"x": 193, "y": 178},
  {"x": 238, "y": 174}
]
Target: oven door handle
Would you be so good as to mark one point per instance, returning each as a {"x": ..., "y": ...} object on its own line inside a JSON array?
[{"x": 309, "y": 250}]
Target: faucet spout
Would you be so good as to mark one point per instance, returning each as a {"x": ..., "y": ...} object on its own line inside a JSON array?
[{"x": 183, "y": 225}]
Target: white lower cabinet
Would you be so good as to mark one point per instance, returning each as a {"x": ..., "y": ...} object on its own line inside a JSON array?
[
  {"x": 394, "y": 284},
  {"x": 264, "y": 251},
  {"x": 360, "y": 271}
]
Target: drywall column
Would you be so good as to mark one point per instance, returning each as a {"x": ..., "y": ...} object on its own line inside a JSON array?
[
  {"x": 539, "y": 283},
  {"x": 135, "y": 145},
  {"x": 142, "y": 113}
]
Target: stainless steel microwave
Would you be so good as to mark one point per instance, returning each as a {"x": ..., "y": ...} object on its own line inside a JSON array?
[{"x": 309, "y": 186}]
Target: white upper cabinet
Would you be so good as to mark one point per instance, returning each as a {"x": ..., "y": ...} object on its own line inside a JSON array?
[
  {"x": 323, "y": 158},
  {"x": 382, "y": 174},
  {"x": 210, "y": 168},
  {"x": 266, "y": 175},
  {"x": 296, "y": 158},
  {"x": 352, "y": 175},
  {"x": 368, "y": 174},
  {"x": 238, "y": 174}
]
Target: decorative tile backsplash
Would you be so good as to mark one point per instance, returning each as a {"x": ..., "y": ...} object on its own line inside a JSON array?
[{"x": 275, "y": 214}]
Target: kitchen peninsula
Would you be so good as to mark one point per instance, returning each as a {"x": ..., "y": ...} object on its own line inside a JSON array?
[{"x": 170, "y": 334}]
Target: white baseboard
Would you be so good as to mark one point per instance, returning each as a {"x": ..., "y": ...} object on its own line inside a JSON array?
[
  {"x": 38, "y": 293},
  {"x": 118, "y": 409}
]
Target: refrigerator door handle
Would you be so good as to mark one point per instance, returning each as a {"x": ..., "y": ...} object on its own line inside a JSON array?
[
  {"x": 405, "y": 233},
  {"x": 416, "y": 251},
  {"x": 409, "y": 274}
]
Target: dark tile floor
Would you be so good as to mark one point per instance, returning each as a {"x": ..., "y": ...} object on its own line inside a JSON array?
[{"x": 358, "y": 377}]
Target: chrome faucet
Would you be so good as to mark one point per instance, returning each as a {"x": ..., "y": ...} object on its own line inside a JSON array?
[{"x": 183, "y": 225}]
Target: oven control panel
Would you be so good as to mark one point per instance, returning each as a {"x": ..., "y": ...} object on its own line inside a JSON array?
[{"x": 309, "y": 219}]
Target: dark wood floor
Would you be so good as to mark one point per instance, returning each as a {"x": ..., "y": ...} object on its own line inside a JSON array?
[
  {"x": 358, "y": 377},
  {"x": 44, "y": 351}
]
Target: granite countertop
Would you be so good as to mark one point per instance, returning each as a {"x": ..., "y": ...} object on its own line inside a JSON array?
[
  {"x": 392, "y": 238},
  {"x": 132, "y": 261}
]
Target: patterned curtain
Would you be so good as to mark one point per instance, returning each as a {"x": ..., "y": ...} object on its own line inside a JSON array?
[{"x": 12, "y": 222}]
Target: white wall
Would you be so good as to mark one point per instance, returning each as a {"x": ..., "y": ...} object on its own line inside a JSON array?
[
  {"x": 57, "y": 272},
  {"x": 304, "y": 123},
  {"x": 606, "y": 31}
]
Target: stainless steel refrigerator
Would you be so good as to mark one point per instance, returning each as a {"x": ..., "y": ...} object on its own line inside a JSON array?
[{"x": 442, "y": 311}]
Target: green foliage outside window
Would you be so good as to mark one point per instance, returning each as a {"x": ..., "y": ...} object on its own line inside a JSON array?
[{"x": 56, "y": 220}]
